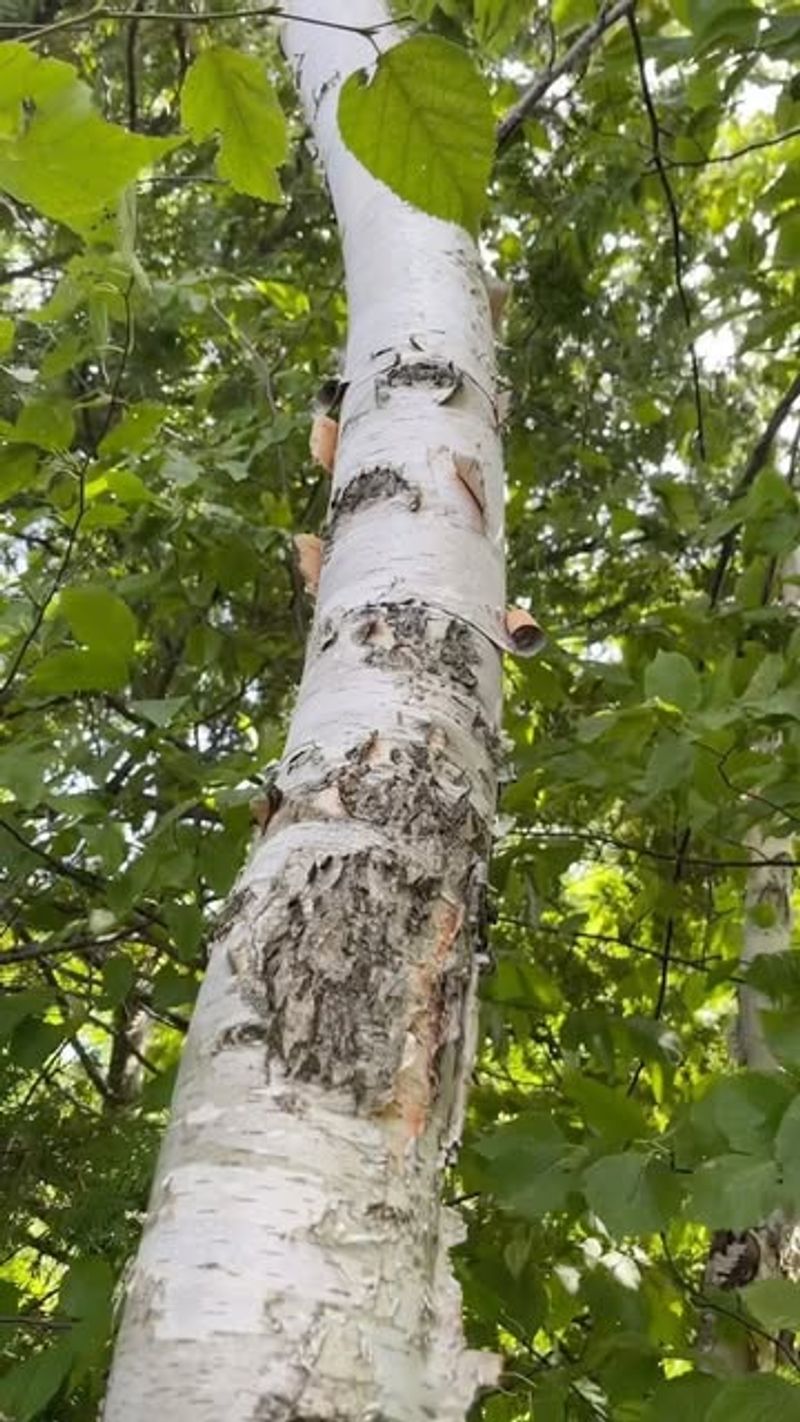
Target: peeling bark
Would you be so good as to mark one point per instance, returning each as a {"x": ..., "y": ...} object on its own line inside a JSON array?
[{"x": 294, "y": 1265}]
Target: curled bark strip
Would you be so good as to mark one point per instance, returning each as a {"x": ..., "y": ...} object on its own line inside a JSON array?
[
  {"x": 470, "y": 474},
  {"x": 323, "y": 441},
  {"x": 498, "y": 293},
  {"x": 309, "y": 560},
  {"x": 525, "y": 634}
]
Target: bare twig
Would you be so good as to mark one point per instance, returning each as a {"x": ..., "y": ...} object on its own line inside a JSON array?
[
  {"x": 735, "y": 152},
  {"x": 210, "y": 17},
  {"x": 758, "y": 458},
  {"x": 675, "y": 223},
  {"x": 583, "y": 45}
]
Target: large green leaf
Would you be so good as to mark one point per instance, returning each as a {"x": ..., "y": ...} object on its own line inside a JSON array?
[
  {"x": 775, "y": 1303},
  {"x": 630, "y": 1193},
  {"x": 58, "y": 154},
  {"x": 756, "y": 1399},
  {"x": 99, "y": 618},
  {"x": 228, "y": 93},
  {"x": 423, "y": 124},
  {"x": 672, "y": 678}
]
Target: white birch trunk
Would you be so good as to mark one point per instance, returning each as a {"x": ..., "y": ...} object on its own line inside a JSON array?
[
  {"x": 771, "y": 1249},
  {"x": 294, "y": 1265}
]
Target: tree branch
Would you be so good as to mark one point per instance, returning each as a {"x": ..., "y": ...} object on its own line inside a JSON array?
[
  {"x": 675, "y": 223},
  {"x": 585, "y": 42},
  {"x": 109, "y": 12},
  {"x": 753, "y": 467},
  {"x": 735, "y": 152}
]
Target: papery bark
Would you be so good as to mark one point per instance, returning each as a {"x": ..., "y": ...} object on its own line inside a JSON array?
[{"x": 295, "y": 1261}]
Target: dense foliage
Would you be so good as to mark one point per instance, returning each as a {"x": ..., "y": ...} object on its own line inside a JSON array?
[{"x": 171, "y": 299}]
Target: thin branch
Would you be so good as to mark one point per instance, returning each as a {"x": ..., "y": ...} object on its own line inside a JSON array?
[
  {"x": 31, "y": 1321},
  {"x": 758, "y": 458},
  {"x": 605, "y": 938},
  {"x": 83, "y": 877},
  {"x": 662, "y": 855},
  {"x": 109, "y": 12},
  {"x": 130, "y": 69},
  {"x": 30, "y": 952},
  {"x": 675, "y": 223},
  {"x": 667, "y": 958},
  {"x": 735, "y": 152},
  {"x": 583, "y": 45}
]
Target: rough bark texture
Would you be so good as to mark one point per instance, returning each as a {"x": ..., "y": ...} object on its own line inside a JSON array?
[{"x": 294, "y": 1265}]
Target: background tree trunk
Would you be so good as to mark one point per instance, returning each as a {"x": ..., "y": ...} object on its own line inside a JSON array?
[
  {"x": 295, "y": 1260},
  {"x": 771, "y": 1249}
]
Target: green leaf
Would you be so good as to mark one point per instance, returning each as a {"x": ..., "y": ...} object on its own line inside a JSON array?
[
  {"x": 119, "y": 976},
  {"x": 497, "y": 22},
  {"x": 756, "y": 1399},
  {"x": 671, "y": 764},
  {"x": 671, "y": 678},
  {"x": 422, "y": 123},
  {"x": 630, "y": 1193},
  {"x": 17, "y": 1007},
  {"x": 69, "y": 163},
  {"x": 531, "y": 1166},
  {"x": 100, "y": 619},
  {"x": 137, "y": 428},
  {"x": 46, "y": 423},
  {"x": 87, "y": 1288},
  {"x": 79, "y": 669},
  {"x": 18, "y": 466},
  {"x": 731, "y": 1191},
  {"x": 6, "y": 334},
  {"x": 228, "y": 92},
  {"x": 172, "y": 988},
  {"x": 187, "y": 925},
  {"x": 27, "y": 1387},
  {"x": 608, "y": 1110},
  {"x": 774, "y": 1303},
  {"x": 782, "y": 1033},
  {"x": 687, "y": 1398},
  {"x": 162, "y": 712},
  {"x": 787, "y": 250}
]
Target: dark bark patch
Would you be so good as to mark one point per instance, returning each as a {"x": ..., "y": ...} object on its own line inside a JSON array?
[
  {"x": 441, "y": 377},
  {"x": 370, "y": 486},
  {"x": 398, "y": 636},
  {"x": 333, "y": 972},
  {"x": 243, "y": 1034},
  {"x": 231, "y": 910},
  {"x": 411, "y": 790},
  {"x": 460, "y": 655}
]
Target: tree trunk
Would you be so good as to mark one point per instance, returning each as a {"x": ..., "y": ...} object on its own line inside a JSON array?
[
  {"x": 294, "y": 1265},
  {"x": 771, "y": 1249}
]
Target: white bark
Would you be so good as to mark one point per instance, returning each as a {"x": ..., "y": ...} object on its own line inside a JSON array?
[
  {"x": 769, "y": 886},
  {"x": 771, "y": 1249},
  {"x": 294, "y": 1265}
]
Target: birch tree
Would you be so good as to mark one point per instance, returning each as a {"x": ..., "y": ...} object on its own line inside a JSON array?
[{"x": 295, "y": 1259}]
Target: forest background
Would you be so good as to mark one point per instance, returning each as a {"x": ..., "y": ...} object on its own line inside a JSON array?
[{"x": 171, "y": 303}]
